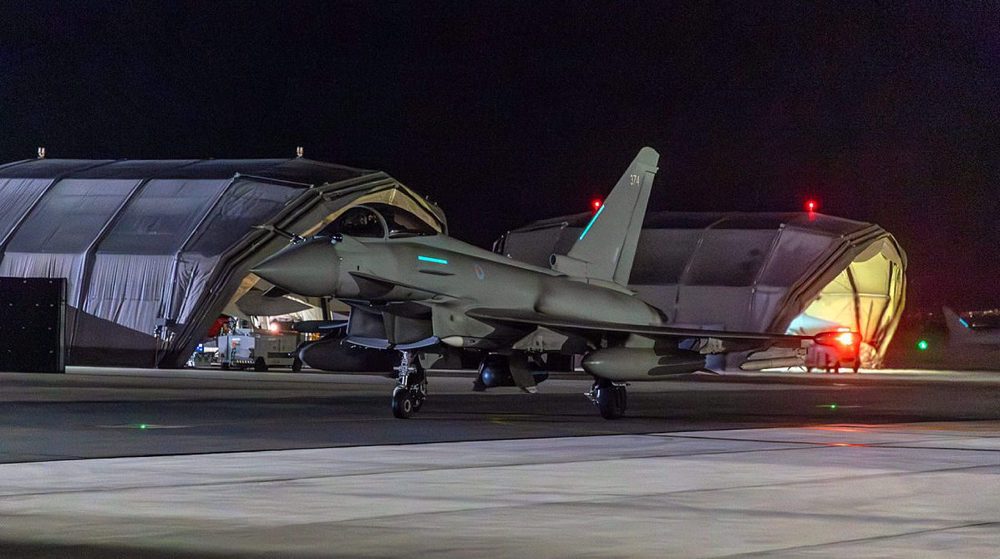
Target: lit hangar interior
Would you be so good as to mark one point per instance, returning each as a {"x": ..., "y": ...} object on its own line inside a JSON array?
[
  {"x": 154, "y": 251},
  {"x": 796, "y": 273}
]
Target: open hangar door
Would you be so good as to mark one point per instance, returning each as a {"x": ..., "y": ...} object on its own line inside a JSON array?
[
  {"x": 801, "y": 273},
  {"x": 153, "y": 251}
]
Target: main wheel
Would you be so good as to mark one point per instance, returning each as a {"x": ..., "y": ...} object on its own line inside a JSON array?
[
  {"x": 296, "y": 365},
  {"x": 611, "y": 400},
  {"x": 259, "y": 365},
  {"x": 402, "y": 403}
]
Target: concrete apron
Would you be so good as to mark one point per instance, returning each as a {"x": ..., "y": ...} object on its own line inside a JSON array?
[{"x": 852, "y": 490}]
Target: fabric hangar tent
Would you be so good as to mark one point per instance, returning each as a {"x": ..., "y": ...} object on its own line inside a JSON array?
[
  {"x": 796, "y": 273},
  {"x": 154, "y": 250}
]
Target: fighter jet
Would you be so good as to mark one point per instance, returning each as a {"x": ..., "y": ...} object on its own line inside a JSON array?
[{"x": 412, "y": 289}]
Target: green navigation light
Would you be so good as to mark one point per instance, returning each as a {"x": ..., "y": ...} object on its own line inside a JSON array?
[{"x": 922, "y": 345}]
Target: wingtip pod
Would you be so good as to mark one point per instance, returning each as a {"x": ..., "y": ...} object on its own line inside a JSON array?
[{"x": 606, "y": 247}]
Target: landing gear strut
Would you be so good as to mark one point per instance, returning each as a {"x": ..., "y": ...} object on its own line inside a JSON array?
[
  {"x": 610, "y": 398},
  {"x": 411, "y": 386}
]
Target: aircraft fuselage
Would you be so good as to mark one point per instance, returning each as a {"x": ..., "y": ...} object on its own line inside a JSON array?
[{"x": 450, "y": 277}]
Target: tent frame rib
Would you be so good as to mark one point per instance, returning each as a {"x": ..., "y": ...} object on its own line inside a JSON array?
[
  {"x": 89, "y": 255},
  {"x": 38, "y": 200}
]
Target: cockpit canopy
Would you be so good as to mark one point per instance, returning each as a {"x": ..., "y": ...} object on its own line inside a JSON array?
[{"x": 378, "y": 221}]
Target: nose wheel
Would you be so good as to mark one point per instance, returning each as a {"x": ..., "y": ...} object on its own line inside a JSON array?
[
  {"x": 406, "y": 402},
  {"x": 411, "y": 387},
  {"x": 610, "y": 398}
]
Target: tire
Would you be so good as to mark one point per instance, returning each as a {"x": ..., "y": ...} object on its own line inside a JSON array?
[
  {"x": 260, "y": 365},
  {"x": 225, "y": 366},
  {"x": 296, "y": 365},
  {"x": 402, "y": 404},
  {"x": 611, "y": 401}
]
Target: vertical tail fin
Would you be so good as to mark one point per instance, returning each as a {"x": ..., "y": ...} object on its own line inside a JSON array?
[{"x": 605, "y": 249}]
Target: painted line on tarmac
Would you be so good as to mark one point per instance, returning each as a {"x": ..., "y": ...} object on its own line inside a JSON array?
[{"x": 144, "y": 426}]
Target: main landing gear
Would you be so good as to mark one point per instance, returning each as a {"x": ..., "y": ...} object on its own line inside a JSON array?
[
  {"x": 611, "y": 398},
  {"x": 411, "y": 387}
]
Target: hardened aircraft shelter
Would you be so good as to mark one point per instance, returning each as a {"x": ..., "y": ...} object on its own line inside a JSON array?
[
  {"x": 153, "y": 251},
  {"x": 797, "y": 273}
]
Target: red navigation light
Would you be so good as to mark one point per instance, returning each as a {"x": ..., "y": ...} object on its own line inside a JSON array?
[
  {"x": 811, "y": 205},
  {"x": 596, "y": 204},
  {"x": 844, "y": 338}
]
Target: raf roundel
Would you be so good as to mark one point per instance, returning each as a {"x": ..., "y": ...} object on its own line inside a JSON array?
[{"x": 480, "y": 272}]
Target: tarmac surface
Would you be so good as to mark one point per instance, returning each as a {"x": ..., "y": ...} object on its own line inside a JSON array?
[{"x": 138, "y": 463}]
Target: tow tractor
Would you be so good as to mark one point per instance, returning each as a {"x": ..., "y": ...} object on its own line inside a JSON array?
[
  {"x": 242, "y": 347},
  {"x": 833, "y": 350}
]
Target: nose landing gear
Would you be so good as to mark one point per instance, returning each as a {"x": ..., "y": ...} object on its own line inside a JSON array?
[{"x": 411, "y": 387}]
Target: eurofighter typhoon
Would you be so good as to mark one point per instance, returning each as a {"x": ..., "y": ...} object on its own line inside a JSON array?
[{"x": 411, "y": 289}]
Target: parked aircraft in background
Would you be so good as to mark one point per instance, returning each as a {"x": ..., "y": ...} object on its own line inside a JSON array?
[
  {"x": 960, "y": 332},
  {"x": 411, "y": 289}
]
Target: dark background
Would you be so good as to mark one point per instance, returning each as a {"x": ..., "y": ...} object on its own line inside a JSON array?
[{"x": 507, "y": 112}]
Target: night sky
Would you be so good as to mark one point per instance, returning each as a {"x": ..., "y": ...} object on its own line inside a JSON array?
[{"x": 507, "y": 112}]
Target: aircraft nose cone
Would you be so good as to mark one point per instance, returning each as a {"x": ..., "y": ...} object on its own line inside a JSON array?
[{"x": 308, "y": 268}]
